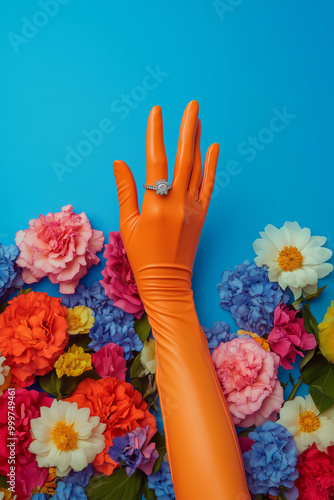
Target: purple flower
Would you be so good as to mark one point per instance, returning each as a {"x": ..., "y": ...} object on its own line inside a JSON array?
[
  {"x": 93, "y": 297},
  {"x": 250, "y": 297},
  {"x": 81, "y": 477},
  {"x": 10, "y": 273},
  {"x": 220, "y": 332},
  {"x": 134, "y": 450}
]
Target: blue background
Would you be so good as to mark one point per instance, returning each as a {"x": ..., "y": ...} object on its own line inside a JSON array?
[{"x": 241, "y": 62}]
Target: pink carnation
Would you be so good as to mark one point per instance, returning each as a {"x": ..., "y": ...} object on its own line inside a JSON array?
[
  {"x": 118, "y": 280},
  {"x": 26, "y": 407},
  {"x": 248, "y": 375},
  {"x": 288, "y": 336},
  {"x": 109, "y": 361},
  {"x": 61, "y": 246}
]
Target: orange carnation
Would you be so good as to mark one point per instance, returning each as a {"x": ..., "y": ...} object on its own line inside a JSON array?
[
  {"x": 118, "y": 405},
  {"x": 32, "y": 335}
]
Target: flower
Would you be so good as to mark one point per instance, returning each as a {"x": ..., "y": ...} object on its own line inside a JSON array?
[
  {"x": 148, "y": 358},
  {"x": 118, "y": 280},
  {"x": 316, "y": 474},
  {"x": 118, "y": 405},
  {"x": 116, "y": 327},
  {"x": 66, "y": 437},
  {"x": 161, "y": 483},
  {"x": 326, "y": 334},
  {"x": 10, "y": 274},
  {"x": 81, "y": 477},
  {"x": 73, "y": 363},
  {"x": 109, "y": 361},
  {"x": 271, "y": 461},
  {"x": 25, "y": 405},
  {"x": 301, "y": 417},
  {"x": 288, "y": 336},
  {"x": 134, "y": 450},
  {"x": 250, "y": 297},
  {"x": 260, "y": 340},
  {"x": 61, "y": 246},
  {"x": 220, "y": 332},
  {"x": 295, "y": 259},
  {"x": 79, "y": 320},
  {"x": 32, "y": 335},
  {"x": 92, "y": 297},
  {"x": 69, "y": 491},
  {"x": 248, "y": 376},
  {"x": 5, "y": 375}
]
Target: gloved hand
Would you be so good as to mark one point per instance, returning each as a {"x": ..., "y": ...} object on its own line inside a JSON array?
[{"x": 161, "y": 245}]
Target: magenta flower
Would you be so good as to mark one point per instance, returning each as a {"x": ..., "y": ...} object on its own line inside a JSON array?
[
  {"x": 109, "y": 361},
  {"x": 118, "y": 280},
  {"x": 288, "y": 336},
  {"x": 61, "y": 246}
]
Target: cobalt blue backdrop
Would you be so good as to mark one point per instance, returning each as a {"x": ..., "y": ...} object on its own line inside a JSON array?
[{"x": 261, "y": 71}]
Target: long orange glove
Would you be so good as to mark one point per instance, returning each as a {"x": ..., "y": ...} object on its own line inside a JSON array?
[{"x": 161, "y": 244}]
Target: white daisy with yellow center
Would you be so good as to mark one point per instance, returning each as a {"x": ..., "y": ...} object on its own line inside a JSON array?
[
  {"x": 66, "y": 437},
  {"x": 303, "y": 420},
  {"x": 295, "y": 259}
]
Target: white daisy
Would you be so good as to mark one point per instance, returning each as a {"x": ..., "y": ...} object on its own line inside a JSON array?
[
  {"x": 4, "y": 372},
  {"x": 66, "y": 437},
  {"x": 301, "y": 418},
  {"x": 295, "y": 259}
]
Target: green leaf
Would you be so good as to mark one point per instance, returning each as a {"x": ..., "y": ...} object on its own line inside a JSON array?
[
  {"x": 80, "y": 340},
  {"x": 322, "y": 401},
  {"x": 319, "y": 374},
  {"x": 259, "y": 497},
  {"x": 160, "y": 445},
  {"x": 291, "y": 380},
  {"x": 148, "y": 493},
  {"x": 3, "y": 482},
  {"x": 23, "y": 291},
  {"x": 119, "y": 485},
  {"x": 136, "y": 367},
  {"x": 316, "y": 294},
  {"x": 142, "y": 327},
  {"x": 310, "y": 323},
  {"x": 3, "y": 306},
  {"x": 308, "y": 356},
  {"x": 51, "y": 384}
]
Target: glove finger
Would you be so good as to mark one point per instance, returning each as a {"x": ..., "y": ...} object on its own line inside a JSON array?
[
  {"x": 156, "y": 159},
  {"x": 196, "y": 173},
  {"x": 127, "y": 197},
  {"x": 185, "y": 148},
  {"x": 209, "y": 172}
]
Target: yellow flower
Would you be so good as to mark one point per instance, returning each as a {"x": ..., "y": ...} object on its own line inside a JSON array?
[
  {"x": 80, "y": 319},
  {"x": 326, "y": 334},
  {"x": 147, "y": 356},
  {"x": 260, "y": 340},
  {"x": 73, "y": 363}
]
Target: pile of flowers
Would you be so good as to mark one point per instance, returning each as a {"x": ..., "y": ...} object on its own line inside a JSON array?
[{"x": 77, "y": 372}]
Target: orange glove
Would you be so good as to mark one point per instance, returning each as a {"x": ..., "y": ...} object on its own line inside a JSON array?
[{"x": 161, "y": 244}]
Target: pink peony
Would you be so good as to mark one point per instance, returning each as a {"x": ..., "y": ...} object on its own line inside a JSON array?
[
  {"x": 245, "y": 443},
  {"x": 109, "y": 361},
  {"x": 248, "y": 375},
  {"x": 61, "y": 246},
  {"x": 24, "y": 405},
  {"x": 288, "y": 336},
  {"x": 118, "y": 280}
]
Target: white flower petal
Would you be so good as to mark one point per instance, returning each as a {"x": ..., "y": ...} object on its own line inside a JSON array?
[
  {"x": 279, "y": 237},
  {"x": 316, "y": 255},
  {"x": 310, "y": 290},
  {"x": 315, "y": 241},
  {"x": 265, "y": 250},
  {"x": 298, "y": 237},
  {"x": 323, "y": 270}
]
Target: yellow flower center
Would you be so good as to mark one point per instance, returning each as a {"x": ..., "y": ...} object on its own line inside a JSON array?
[
  {"x": 290, "y": 259},
  {"x": 308, "y": 421},
  {"x": 73, "y": 323},
  {"x": 64, "y": 437}
]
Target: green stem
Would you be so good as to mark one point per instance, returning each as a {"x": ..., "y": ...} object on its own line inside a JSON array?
[{"x": 295, "y": 389}]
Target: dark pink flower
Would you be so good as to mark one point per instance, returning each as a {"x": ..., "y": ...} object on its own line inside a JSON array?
[
  {"x": 288, "y": 336},
  {"x": 245, "y": 443},
  {"x": 109, "y": 361},
  {"x": 118, "y": 280},
  {"x": 61, "y": 246}
]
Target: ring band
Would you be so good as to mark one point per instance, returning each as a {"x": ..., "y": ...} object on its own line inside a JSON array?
[{"x": 161, "y": 187}]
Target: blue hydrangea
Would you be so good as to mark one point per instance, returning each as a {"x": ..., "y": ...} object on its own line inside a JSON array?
[
  {"x": 40, "y": 496},
  {"x": 161, "y": 483},
  {"x": 271, "y": 461},
  {"x": 118, "y": 327},
  {"x": 220, "y": 332},
  {"x": 93, "y": 297},
  {"x": 250, "y": 297},
  {"x": 69, "y": 491},
  {"x": 81, "y": 477},
  {"x": 10, "y": 273}
]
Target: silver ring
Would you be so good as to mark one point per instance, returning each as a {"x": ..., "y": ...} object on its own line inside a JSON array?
[{"x": 161, "y": 187}]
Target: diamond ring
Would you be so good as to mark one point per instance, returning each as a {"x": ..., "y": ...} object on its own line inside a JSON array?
[{"x": 161, "y": 187}]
